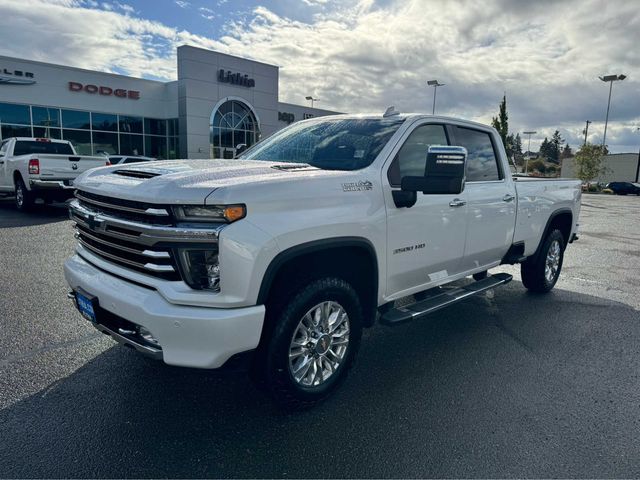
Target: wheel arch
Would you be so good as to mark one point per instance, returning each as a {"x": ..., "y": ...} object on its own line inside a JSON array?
[
  {"x": 352, "y": 258},
  {"x": 562, "y": 219}
]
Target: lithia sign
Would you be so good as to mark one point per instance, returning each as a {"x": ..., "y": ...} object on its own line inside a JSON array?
[
  {"x": 16, "y": 77},
  {"x": 227, "y": 76}
]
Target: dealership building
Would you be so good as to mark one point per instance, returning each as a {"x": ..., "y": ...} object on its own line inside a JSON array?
[{"x": 218, "y": 102}]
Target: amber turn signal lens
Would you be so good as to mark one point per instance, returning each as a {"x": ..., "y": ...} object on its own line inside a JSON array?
[{"x": 235, "y": 212}]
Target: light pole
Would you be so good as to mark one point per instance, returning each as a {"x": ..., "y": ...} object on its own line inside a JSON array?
[
  {"x": 586, "y": 131},
  {"x": 312, "y": 100},
  {"x": 610, "y": 79},
  {"x": 435, "y": 85},
  {"x": 526, "y": 163}
]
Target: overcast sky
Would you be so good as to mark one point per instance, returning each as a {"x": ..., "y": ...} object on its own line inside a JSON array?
[{"x": 362, "y": 56}]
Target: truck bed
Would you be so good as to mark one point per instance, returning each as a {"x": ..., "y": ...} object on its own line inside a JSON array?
[{"x": 536, "y": 198}]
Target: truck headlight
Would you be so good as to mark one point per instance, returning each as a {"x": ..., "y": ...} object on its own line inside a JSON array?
[
  {"x": 201, "y": 269},
  {"x": 204, "y": 213}
]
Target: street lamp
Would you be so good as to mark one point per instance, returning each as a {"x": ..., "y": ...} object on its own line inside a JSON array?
[
  {"x": 435, "y": 85},
  {"x": 312, "y": 100},
  {"x": 526, "y": 163},
  {"x": 586, "y": 131},
  {"x": 610, "y": 79}
]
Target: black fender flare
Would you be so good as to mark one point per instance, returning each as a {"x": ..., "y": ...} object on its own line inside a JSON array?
[
  {"x": 310, "y": 247},
  {"x": 552, "y": 217}
]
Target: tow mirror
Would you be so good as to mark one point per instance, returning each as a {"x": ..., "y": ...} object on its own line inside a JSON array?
[{"x": 444, "y": 172}]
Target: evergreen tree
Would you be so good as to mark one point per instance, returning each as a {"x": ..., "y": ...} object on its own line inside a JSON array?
[
  {"x": 566, "y": 152},
  {"x": 555, "y": 147},
  {"x": 545, "y": 149},
  {"x": 501, "y": 122}
]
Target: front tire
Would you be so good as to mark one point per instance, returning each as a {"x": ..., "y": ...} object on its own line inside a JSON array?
[
  {"x": 315, "y": 338},
  {"x": 541, "y": 273},
  {"x": 25, "y": 200}
]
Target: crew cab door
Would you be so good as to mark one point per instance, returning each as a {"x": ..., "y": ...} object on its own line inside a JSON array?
[
  {"x": 425, "y": 242},
  {"x": 491, "y": 198},
  {"x": 4, "y": 167}
]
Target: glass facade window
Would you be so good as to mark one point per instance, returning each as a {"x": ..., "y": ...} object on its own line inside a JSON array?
[
  {"x": 131, "y": 144},
  {"x": 45, "y": 117},
  {"x": 231, "y": 125},
  {"x": 76, "y": 119},
  {"x": 154, "y": 126},
  {"x": 105, "y": 142},
  {"x": 174, "y": 149},
  {"x": 15, "y": 131},
  {"x": 92, "y": 133},
  {"x": 80, "y": 139},
  {"x": 130, "y": 124},
  {"x": 172, "y": 127},
  {"x": 17, "y": 114},
  {"x": 155, "y": 146},
  {"x": 104, "y": 122},
  {"x": 47, "y": 132}
]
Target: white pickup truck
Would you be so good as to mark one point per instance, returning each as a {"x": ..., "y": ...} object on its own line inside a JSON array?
[
  {"x": 32, "y": 168},
  {"x": 282, "y": 256}
]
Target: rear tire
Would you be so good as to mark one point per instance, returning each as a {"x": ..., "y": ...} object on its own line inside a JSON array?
[
  {"x": 25, "y": 200},
  {"x": 315, "y": 337},
  {"x": 540, "y": 274}
]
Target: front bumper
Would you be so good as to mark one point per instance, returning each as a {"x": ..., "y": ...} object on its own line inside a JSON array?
[{"x": 189, "y": 336}]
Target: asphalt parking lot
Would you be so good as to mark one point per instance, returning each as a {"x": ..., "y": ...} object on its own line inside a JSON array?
[{"x": 505, "y": 385}]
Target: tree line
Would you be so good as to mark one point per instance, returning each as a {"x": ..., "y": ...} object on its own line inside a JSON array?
[{"x": 549, "y": 155}]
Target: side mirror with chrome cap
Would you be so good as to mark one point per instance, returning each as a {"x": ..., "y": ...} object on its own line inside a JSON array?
[
  {"x": 241, "y": 147},
  {"x": 444, "y": 172}
]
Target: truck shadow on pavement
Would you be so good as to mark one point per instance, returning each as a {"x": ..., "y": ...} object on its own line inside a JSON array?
[
  {"x": 41, "y": 214},
  {"x": 511, "y": 385}
]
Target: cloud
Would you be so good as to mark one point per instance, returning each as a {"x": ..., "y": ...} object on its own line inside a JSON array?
[{"x": 363, "y": 55}]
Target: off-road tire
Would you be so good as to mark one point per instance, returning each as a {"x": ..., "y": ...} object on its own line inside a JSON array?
[
  {"x": 24, "y": 200},
  {"x": 271, "y": 365},
  {"x": 533, "y": 269}
]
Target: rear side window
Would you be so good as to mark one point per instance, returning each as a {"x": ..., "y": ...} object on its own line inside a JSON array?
[
  {"x": 3, "y": 147},
  {"x": 412, "y": 158},
  {"x": 482, "y": 162},
  {"x": 28, "y": 147}
]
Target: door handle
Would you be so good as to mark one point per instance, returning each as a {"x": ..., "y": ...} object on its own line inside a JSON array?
[
  {"x": 456, "y": 202},
  {"x": 508, "y": 198},
  {"x": 1, "y": 162}
]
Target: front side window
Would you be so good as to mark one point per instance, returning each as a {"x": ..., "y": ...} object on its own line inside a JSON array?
[
  {"x": 336, "y": 144},
  {"x": 411, "y": 160},
  {"x": 482, "y": 163}
]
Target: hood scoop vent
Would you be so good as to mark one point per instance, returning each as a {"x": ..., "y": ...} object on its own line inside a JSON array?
[
  {"x": 294, "y": 166},
  {"x": 136, "y": 173}
]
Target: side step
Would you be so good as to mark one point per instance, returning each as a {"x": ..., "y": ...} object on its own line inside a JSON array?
[{"x": 442, "y": 298}]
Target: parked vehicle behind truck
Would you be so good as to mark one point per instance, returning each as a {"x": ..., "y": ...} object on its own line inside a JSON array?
[
  {"x": 282, "y": 256},
  {"x": 32, "y": 168}
]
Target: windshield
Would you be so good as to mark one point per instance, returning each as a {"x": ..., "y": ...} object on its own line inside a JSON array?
[
  {"x": 337, "y": 144},
  {"x": 27, "y": 147}
]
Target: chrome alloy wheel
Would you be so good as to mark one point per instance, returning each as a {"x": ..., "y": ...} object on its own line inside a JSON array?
[
  {"x": 19, "y": 195},
  {"x": 319, "y": 344},
  {"x": 552, "y": 263}
]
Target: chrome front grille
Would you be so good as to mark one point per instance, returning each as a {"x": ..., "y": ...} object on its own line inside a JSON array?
[
  {"x": 134, "y": 235},
  {"x": 157, "y": 262},
  {"x": 130, "y": 210}
]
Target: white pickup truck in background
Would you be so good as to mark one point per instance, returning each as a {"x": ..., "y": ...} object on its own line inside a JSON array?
[
  {"x": 32, "y": 168},
  {"x": 284, "y": 255}
]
